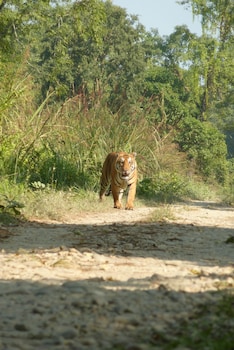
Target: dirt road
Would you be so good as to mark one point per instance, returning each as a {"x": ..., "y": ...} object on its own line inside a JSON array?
[{"x": 116, "y": 281}]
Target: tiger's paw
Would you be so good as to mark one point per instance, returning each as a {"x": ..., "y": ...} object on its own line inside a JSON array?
[
  {"x": 117, "y": 206},
  {"x": 129, "y": 207}
]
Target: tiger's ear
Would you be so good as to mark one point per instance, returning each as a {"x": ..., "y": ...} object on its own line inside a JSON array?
[{"x": 134, "y": 154}]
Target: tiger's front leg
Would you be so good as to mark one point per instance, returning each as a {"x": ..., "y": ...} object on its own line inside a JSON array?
[
  {"x": 131, "y": 196},
  {"x": 117, "y": 193}
]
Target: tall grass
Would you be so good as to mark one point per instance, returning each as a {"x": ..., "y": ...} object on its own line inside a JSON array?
[{"x": 63, "y": 147}]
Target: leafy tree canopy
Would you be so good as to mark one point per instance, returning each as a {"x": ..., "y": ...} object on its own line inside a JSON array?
[{"x": 96, "y": 54}]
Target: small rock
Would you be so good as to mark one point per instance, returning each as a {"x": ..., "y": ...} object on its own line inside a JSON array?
[
  {"x": 21, "y": 327},
  {"x": 69, "y": 333}
]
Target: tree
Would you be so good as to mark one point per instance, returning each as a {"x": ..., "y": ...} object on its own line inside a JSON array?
[
  {"x": 168, "y": 83},
  {"x": 64, "y": 29},
  {"x": 74, "y": 61},
  {"x": 216, "y": 17},
  {"x": 212, "y": 54}
]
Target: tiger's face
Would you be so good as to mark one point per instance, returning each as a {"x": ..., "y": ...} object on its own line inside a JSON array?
[{"x": 125, "y": 165}]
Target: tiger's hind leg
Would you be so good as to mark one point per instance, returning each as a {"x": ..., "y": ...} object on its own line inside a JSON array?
[
  {"x": 102, "y": 193},
  {"x": 103, "y": 190},
  {"x": 108, "y": 191},
  {"x": 105, "y": 179}
]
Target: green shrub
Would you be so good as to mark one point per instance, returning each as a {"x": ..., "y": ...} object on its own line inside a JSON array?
[
  {"x": 164, "y": 187},
  {"x": 11, "y": 204},
  {"x": 206, "y": 145}
]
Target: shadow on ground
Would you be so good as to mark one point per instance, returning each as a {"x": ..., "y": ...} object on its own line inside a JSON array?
[
  {"x": 201, "y": 244},
  {"x": 86, "y": 315}
]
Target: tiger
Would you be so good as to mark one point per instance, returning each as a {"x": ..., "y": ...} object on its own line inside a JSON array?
[{"x": 119, "y": 173}]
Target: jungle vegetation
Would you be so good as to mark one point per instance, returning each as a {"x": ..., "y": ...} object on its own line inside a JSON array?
[{"x": 79, "y": 79}]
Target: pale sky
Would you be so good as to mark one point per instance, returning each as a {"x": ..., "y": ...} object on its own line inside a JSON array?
[{"x": 163, "y": 15}]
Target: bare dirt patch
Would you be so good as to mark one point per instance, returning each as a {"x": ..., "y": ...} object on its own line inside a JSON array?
[{"x": 115, "y": 280}]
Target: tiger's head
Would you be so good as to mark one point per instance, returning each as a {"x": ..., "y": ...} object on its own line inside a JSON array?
[{"x": 125, "y": 164}]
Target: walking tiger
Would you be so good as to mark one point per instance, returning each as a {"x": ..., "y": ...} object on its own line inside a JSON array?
[{"x": 119, "y": 173}]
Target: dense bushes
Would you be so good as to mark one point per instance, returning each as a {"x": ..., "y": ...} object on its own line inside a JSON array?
[
  {"x": 66, "y": 149},
  {"x": 204, "y": 144},
  {"x": 163, "y": 187}
]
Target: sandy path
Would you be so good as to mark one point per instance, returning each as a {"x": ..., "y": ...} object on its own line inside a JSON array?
[{"x": 159, "y": 272}]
